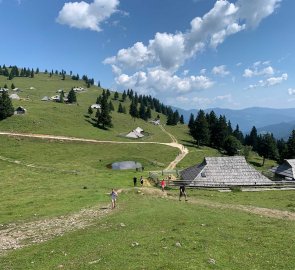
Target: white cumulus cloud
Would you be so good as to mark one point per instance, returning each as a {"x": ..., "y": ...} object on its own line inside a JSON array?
[
  {"x": 87, "y": 16},
  {"x": 159, "y": 80},
  {"x": 160, "y": 59},
  {"x": 291, "y": 91},
  {"x": 220, "y": 70},
  {"x": 267, "y": 71}
]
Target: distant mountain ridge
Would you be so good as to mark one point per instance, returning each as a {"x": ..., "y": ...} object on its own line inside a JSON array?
[{"x": 259, "y": 117}]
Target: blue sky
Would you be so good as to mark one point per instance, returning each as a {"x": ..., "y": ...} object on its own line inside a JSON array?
[{"x": 188, "y": 53}]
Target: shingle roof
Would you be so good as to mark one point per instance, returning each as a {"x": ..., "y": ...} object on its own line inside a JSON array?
[
  {"x": 287, "y": 169},
  {"x": 224, "y": 171}
]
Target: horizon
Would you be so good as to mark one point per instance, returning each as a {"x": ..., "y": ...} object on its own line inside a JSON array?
[{"x": 217, "y": 54}]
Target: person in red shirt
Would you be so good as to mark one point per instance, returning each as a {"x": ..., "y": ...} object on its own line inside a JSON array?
[{"x": 163, "y": 184}]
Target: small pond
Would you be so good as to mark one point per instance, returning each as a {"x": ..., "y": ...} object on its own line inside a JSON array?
[{"x": 126, "y": 165}]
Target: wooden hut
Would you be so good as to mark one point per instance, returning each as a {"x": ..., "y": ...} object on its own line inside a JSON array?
[
  {"x": 224, "y": 171},
  {"x": 286, "y": 170}
]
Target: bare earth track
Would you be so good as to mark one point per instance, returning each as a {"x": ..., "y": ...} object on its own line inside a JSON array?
[
  {"x": 174, "y": 143},
  {"x": 15, "y": 236}
]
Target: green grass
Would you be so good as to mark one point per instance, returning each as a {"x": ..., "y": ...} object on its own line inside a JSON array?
[
  {"x": 69, "y": 176},
  {"x": 235, "y": 240},
  {"x": 55, "y": 185},
  {"x": 69, "y": 120}
]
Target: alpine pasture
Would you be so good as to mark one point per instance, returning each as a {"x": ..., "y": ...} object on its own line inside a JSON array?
[{"x": 55, "y": 207}]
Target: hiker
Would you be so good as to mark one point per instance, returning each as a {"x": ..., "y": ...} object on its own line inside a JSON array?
[
  {"x": 182, "y": 192},
  {"x": 141, "y": 180},
  {"x": 163, "y": 184},
  {"x": 134, "y": 181},
  {"x": 114, "y": 196}
]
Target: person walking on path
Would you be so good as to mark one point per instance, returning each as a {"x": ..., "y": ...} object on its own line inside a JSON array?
[
  {"x": 163, "y": 184},
  {"x": 134, "y": 181},
  {"x": 114, "y": 196},
  {"x": 182, "y": 192},
  {"x": 141, "y": 180}
]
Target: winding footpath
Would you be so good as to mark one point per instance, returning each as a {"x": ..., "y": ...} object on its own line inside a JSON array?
[
  {"x": 16, "y": 236},
  {"x": 183, "y": 151}
]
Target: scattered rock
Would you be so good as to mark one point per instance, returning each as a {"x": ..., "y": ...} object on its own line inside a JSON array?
[
  {"x": 177, "y": 244},
  {"x": 211, "y": 261},
  {"x": 94, "y": 262},
  {"x": 122, "y": 225},
  {"x": 135, "y": 244},
  {"x": 203, "y": 225},
  {"x": 165, "y": 247},
  {"x": 60, "y": 266}
]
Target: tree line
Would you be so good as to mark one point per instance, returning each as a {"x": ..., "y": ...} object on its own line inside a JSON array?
[{"x": 209, "y": 130}]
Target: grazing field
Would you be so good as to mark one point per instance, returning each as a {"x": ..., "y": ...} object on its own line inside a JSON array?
[
  {"x": 55, "y": 203},
  {"x": 47, "y": 117}
]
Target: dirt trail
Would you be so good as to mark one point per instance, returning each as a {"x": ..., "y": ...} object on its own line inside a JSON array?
[
  {"x": 183, "y": 151},
  {"x": 15, "y": 236},
  {"x": 174, "y": 143}
]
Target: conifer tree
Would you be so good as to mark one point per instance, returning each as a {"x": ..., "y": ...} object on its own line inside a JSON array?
[
  {"x": 6, "y": 108},
  {"x": 116, "y": 95},
  {"x": 133, "y": 111},
  {"x": 201, "y": 129},
  {"x": 124, "y": 96},
  {"x": 103, "y": 115},
  {"x": 120, "y": 108},
  {"x": 252, "y": 139},
  {"x": 267, "y": 147},
  {"x": 148, "y": 113},
  {"x": 90, "y": 110},
  {"x": 238, "y": 134},
  {"x": 181, "y": 120},
  {"x": 111, "y": 106},
  {"x": 142, "y": 114},
  {"x": 72, "y": 98},
  {"x": 61, "y": 97},
  {"x": 191, "y": 124},
  {"x": 291, "y": 145}
]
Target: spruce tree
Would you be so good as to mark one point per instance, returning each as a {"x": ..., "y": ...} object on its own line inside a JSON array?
[
  {"x": 124, "y": 96},
  {"x": 111, "y": 106},
  {"x": 120, "y": 108},
  {"x": 61, "y": 97},
  {"x": 142, "y": 114},
  {"x": 133, "y": 111},
  {"x": 148, "y": 113},
  {"x": 90, "y": 110},
  {"x": 252, "y": 139},
  {"x": 72, "y": 98},
  {"x": 201, "y": 129},
  {"x": 116, "y": 96},
  {"x": 103, "y": 117},
  {"x": 6, "y": 108},
  {"x": 238, "y": 134},
  {"x": 291, "y": 145},
  {"x": 267, "y": 147},
  {"x": 181, "y": 120},
  {"x": 191, "y": 124}
]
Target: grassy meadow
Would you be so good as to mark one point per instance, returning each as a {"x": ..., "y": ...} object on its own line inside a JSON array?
[
  {"x": 53, "y": 118},
  {"x": 44, "y": 179}
]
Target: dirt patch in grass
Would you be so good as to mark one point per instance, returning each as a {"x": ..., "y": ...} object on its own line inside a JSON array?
[{"x": 14, "y": 236}]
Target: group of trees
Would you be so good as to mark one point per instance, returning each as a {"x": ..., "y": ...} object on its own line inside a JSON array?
[
  {"x": 14, "y": 71},
  {"x": 210, "y": 130},
  {"x": 103, "y": 115},
  {"x": 6, "y": 108},
  {"x": 269, "y": 147},
  {"x": 141, "y": 106}
]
